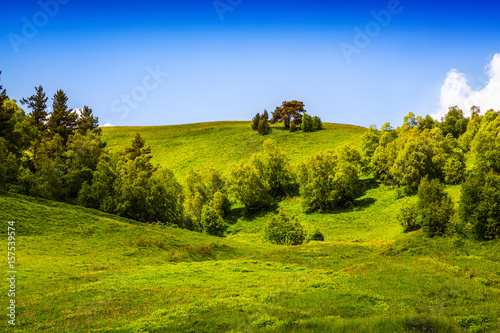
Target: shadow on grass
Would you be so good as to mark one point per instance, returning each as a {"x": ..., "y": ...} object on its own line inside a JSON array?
[{"x": 239, "y": 212}]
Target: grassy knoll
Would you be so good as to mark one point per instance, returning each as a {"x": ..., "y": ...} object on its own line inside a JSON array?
[{"x": 218, "y": 144}]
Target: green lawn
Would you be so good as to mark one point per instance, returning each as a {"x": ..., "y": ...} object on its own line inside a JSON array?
[{"x": 81, "y": 270}]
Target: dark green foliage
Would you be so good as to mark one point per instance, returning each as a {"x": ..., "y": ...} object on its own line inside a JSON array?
[
  {"x": 212, "y": 222},
  {"x": 255, "y": 122},
  {"x": 274, "y": 168},
  {"x": 317, "y": 123},
  {"x": 87, "y": 121},
  {"x": 62, "y": 119},
  {"x": 137, "y": 148},
  {"x": 289, "y": 113},
  {"x": 246, "y": 186},
  {"x": 165, "y": 198},
  {"x": 316, "y": 235},
  {"x": 454, "y": 169},
  {"x": 100, "y": 194},
  {"x": 293, "y": 128},
  {"x": 329, "y": 179},
  {"x": 263, "y": 128},
  {"x": 9, "y": 165},
  {"x": 480, "y": 205},
  {"x": 284, "y": 229},
  {"x": 307, "y": 123},
  {"x": 434, "y": 206},
  {"x": 407, "y": 217},
  {"x": 38, "y": 105}
]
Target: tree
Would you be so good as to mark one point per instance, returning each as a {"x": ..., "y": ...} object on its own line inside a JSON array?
[
  {"x": 256, "y": 121},
  {"x": 317, "y": 123},
  {"x": 86, "y": 121},
  {"x": 165, "y": 198},
  {"x": 212, "y": 222},
  {"x": 3, "y": 92},
  {"x": 62, "y": 120},
  {"x": 479, "y": 205},
  {"x": 288, "y": 113},
  {"x": 328, "y": 179},
  {"x": 369, "y": 143},
  {"x": 486, "y": 145},
  {"x": 307, "y": 123},
  {"x": 274, "y": 168},
  {"x": 284, "y": 229},
  {"x": 246, "y": 186},
  {"x": 263, "y": 128},
  {"x": 38, "y": 105},
  {"x": 454, "y": 122},
  {"x": 137, "y": 148},
  {"x": 434, "y": 207}
]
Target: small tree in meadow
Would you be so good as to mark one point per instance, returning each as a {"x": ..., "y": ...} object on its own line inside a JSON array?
[
  {"x": 284, "y": 229},
  {"x": 435, "y": 208}
]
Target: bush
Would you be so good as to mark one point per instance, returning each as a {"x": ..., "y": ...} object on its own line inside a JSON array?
[
  {"x": 316, "y": 235},
  {"x": 212, "y": 222},
  {"x": 263, "y": 128},
  {"x": 307, "y": 123},
  {"x": 407, "y": 217},
  {"x": 317, "y": 123},
  {"x": 454, "y": 168},
  {"x": 284, "y": 230},
  {"x": 435, "y": 207}
]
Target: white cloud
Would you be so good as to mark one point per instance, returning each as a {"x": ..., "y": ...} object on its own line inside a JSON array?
[
  {"x": 107, "y": 125},
  {"x": 456, "y": 91}
]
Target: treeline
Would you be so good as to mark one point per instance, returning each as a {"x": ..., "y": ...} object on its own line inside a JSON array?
[{"x": 423, "y": 154}]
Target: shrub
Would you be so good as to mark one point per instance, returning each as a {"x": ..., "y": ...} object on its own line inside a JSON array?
[
  {"x": 435, "y": 207},
  {"x": 407, "y": 217},
  {"x": 316, "y": 235},
  {"x": 211, "y": 221},
  {"x": 255, "y": 121},
  {"x": 454, "y": 169},
  {"x": 284, "y": 230},
  {"x": 307, "y": 123},
  {"x": 317, "y": 123},
  {"x": 263, "y": 128}
]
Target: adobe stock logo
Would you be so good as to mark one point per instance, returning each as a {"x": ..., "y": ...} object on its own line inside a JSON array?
[
  {"x": 30, "y": 28},
  {"x": 223, "y": 6},
  {"x": 371, "y": 30},
  {"x": 139, "y": 93}
]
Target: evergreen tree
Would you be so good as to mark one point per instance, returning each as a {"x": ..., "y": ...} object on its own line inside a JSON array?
[
  {"x": 38, "y": 105},
  {"x": 87, "y": 121},
  {"x": 62, "y": 120},
  {"x": 137, "y": 149}
]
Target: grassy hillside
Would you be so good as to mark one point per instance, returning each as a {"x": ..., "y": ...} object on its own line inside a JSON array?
[
  {"x": 81, "y": 270},
  {"x": 218, "y": 144}
]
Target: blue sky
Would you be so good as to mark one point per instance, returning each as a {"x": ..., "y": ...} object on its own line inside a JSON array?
[{"x": 173, "y": 62}]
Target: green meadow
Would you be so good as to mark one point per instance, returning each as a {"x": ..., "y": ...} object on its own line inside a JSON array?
[{"x": 82, "y": 270}]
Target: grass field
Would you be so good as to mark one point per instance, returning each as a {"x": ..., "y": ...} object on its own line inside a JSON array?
[{"x": 81, "y": 270}]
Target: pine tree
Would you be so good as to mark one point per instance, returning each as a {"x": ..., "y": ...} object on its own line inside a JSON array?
[
  {"x": 38, "y": 105},
  {"x": 62, "y": 120},
  {"x": 87, "y": 121}
]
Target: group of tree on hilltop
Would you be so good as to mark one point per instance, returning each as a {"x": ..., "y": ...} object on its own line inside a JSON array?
[{"x": 292, "y": 114}]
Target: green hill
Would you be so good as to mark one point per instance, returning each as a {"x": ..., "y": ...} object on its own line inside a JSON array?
[
  {"x": 81, "y": 270},
  {"x": 218, "y": 144}
]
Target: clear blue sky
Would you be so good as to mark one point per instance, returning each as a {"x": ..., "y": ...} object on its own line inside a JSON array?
[{"x": 241, "y": 57}]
